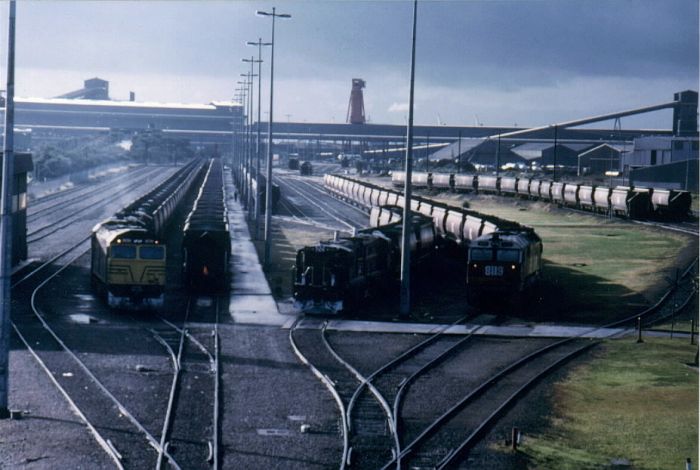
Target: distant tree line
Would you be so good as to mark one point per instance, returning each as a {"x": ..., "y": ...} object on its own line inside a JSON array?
[
  {"x": 60, "y": 158},
  {"x": 152, "y": 146}
]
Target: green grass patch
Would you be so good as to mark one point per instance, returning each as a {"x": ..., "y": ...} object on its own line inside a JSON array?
[{"x": 636, "y": 402}]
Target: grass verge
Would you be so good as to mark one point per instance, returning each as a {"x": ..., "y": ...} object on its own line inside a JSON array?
[{"x": 635, "y": 405}]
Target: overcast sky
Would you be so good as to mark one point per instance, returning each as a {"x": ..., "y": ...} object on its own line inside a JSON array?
[{"x": 499, "y": 62}]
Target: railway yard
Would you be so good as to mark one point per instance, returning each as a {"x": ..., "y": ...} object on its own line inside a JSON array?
[{"x": 240, "y": 378}]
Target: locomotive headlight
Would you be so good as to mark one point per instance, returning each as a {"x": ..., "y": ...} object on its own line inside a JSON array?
[
  {"x": 119, "y": 241},
  {"x": 474, "y": 265},
  {"x": 512, "y": 266}
]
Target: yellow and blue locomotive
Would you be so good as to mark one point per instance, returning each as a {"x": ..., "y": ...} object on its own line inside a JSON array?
[{"x": 128, "y": 258}]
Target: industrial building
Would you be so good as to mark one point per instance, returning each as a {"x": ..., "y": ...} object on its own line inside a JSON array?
[{"x": 602, "y": 158}]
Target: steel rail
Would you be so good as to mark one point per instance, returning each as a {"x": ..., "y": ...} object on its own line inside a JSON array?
[
  {"x": 314, "y": 187},
  {"x": 149, "y": 437},
  {"x": 72, "y": 217},
  {"x": 454, "y": 409},
  {"x": 217, "y": 382},
  {"x": 331, "y": 388},
  {"x": 190, "y": 337},
  {"x": 360, "y": 378},
  {"x": 85, "y": 190},
  {"x": 433, "y": 427},
  {"x": 398, "y": 399},
  {"x": 451, "y": 459},
  {"x": 321, "y": 208},
  {"x": 318, "y": 187},
  {"x": 51, "y": 261},
  {"x": 175, "y": 384},
  {"x": 104, "y": 443},
  {"x": 400, "y": 358},
  {"x": 177, "y": 367},
  {"x": 391, "y": 364}
]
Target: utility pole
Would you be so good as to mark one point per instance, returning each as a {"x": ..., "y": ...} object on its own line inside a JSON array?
[
  {"x": 405, "y": 302},
  {"x": 6, "y": 219}
]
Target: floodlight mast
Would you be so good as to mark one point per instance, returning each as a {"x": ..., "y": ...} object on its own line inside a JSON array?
[
  {"x": 257, "y": 141},
  {"x": 256, "y": 200},
  {"x": 405, "y": 299},
  {"x": 268, "y": 182},
  {"x": 6, "y": 219}
]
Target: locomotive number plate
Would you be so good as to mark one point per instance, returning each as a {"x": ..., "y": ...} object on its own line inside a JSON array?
[{"x": 493, "y": 270}]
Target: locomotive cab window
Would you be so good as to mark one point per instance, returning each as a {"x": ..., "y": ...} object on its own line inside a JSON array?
[
  {"x": 508, "y": 255},
  {"x": 481, "y": 254},
  {"x": 151, "y": 252},
  {"x": 123, "y": 252}
]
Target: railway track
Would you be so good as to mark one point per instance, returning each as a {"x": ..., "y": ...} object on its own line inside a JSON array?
[
  {"x": 369, "y": 424},
  {"x": 188, "y": 435},
  {"x": 379, "y": 433},
  {"x": 85, "y": 203},
  {"x": 194, "y": 351},
  {"x": 116, "y": 430},
  {"x": 317, "y": 202},
  {"x": 68, "y": 196}
]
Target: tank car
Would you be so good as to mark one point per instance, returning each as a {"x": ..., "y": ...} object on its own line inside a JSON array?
[
  {"x": 586, "y": 195},
  {"x": 509, "y": 185},
  {"x": 489, "y": 184},
  {"x": 421, "y": 180},
  {"x": 503, "y": 262},
  {"x": 522, "y": 187},
  {"x": 128, "y": 251},
  {"x": 206, "y": 243},
  {"x": 443, "y": 181},
  {"x": 336, "y": 276},
  {"x": 570, "y": 194},
  {"x": 465, "y": 183},
  {"x": 398, "y": 178}
]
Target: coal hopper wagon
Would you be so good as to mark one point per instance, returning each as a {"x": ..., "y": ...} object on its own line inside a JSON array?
[{"x": 206, "y": 243}]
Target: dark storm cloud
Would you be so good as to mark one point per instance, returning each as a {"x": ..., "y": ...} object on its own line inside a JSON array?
[{"x": 505, "y": 42}]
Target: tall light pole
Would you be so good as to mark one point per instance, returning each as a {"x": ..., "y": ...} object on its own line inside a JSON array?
[
  {"x": 239, "y": 124},
  {"x": 256, "y": 199},
  {"x": 239, "y": 144},
  {"x": 257, "y": 140},
  {"x": 244, "y": 142},
  {"x": 405, "y": 302},
  {"x": 249, "y": 134},
  {"x": 268, "y": 182},
  {"x": 6, "y": 219}
]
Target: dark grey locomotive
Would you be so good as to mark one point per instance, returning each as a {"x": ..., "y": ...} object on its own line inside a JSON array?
[
  {"x": 337, "y": 275},
  {"x": 505, "y": 262}
]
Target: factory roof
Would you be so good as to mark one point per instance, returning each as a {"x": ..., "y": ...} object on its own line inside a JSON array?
[
  {"x": 127, "y": 104},
  {"x": 533, "y": 150},
  {"x": 451, "y": 151}
]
